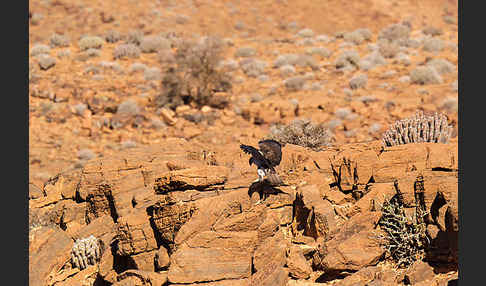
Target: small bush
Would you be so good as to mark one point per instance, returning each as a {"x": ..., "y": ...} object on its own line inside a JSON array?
[
  {"x": 372, "y": 60},
  {"x": 253, "y": 67},
  {"x": 128, "y": 107},
  {"x": 388, "y": 49},
  {"x": 152, "y": 74},
  {"x": 365, "y": 33},
  {"x": 230, "y": 65},
  {"x": 195, "y": 75},
  {"x": 137, "y": 67},
  {"x": 285, "y": 59},
  {"x": 112, "y": 36},
  {"x": 403, "y": 59},
  {"x": 358, "y": 81},
  {"x": 320, "y": 51},
  {"x": 92, "y": 53},
  {"x": 315, "y": 86},
  {"x": 343, "y": 113},
  {"x": 395, "y": 32},
  {"x": 39, "y": 49},
  {"x": 306, "y": 42},
  {"x": 303, "y": 133},
  {"x": 433, "y": 45},
  {"x": 79, "y": 109},
  {"x": 354, "y": 37},
  {"x": 441, "y": 66},
  {"x": 90, "y": 42},
  {"x": 152, "y": 44},
  {"x": 57, "y": 40},
  {"x": 110, "y": 66},
  {"x": 306, "y": 61},
  {"x": 347, "y": 58},
  {"x": 126, "y": 51},
  {"x": 450, "y": 104},
  {"x": 244, "y": 52},
  {"x": 46, "y": 61},
  {"x": 432, "y": 31},
  {"x": 295, "y": 83},
  {"x": 404, "y": 79},
  {"x": 323, "y": 38},
  {"x": 417, "y": 129},
  {"x": 425, "y": 75},
  {"x": 305, "y": 33},
  {"x": 134, "y": 37},
  {"x": 86, "y": 154},
  {"x": 287, "y": 70}
]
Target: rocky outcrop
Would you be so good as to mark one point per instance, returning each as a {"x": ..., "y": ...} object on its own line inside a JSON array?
[{"x": 156, "y": 210}]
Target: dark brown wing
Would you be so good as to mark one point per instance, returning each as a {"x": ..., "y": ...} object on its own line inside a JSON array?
[
  {"x": 272, "y": 151},
  {"x": 257, "y": 157}
]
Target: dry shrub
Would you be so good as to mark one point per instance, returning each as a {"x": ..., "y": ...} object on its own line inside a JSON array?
[
  {"x": 425, "y": 75},
  {"x": 302, "y": 132},
  {"x": 195, "y": 75}
]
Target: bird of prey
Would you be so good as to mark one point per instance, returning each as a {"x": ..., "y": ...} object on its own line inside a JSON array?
[{"x": 268, "y": 157}]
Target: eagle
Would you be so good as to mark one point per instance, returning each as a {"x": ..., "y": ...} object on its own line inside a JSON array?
[{"x": 268, "y": 157}]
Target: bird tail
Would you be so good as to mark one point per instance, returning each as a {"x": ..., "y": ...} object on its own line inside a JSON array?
[{"x": 274, "y": 179}]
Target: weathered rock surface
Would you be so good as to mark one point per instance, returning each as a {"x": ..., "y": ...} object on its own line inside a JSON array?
[
  {"x": 353, "y": 247},
  {"x": 156, "y": 210},
  {"x": 49, "y": 250},
  {"x": 220, "y": 255}
]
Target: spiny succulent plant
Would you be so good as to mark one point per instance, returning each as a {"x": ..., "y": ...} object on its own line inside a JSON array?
[
  {"x": 86, "y": 251},
  {"x": 417, "y": 129},
  {"x": 404, "y": 237}
]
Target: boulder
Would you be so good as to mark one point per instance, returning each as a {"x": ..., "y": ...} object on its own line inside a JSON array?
[
  {"x": 352, "y": 247},
  {"x": 49, "y": 251},
  {"x": 220, "y": 255},
  {"x": 297, "y": 265},
  {"x": 134, "y": 235},
  {"x": 419, "y": 272},
  {"x": 204, "y": 178}
]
